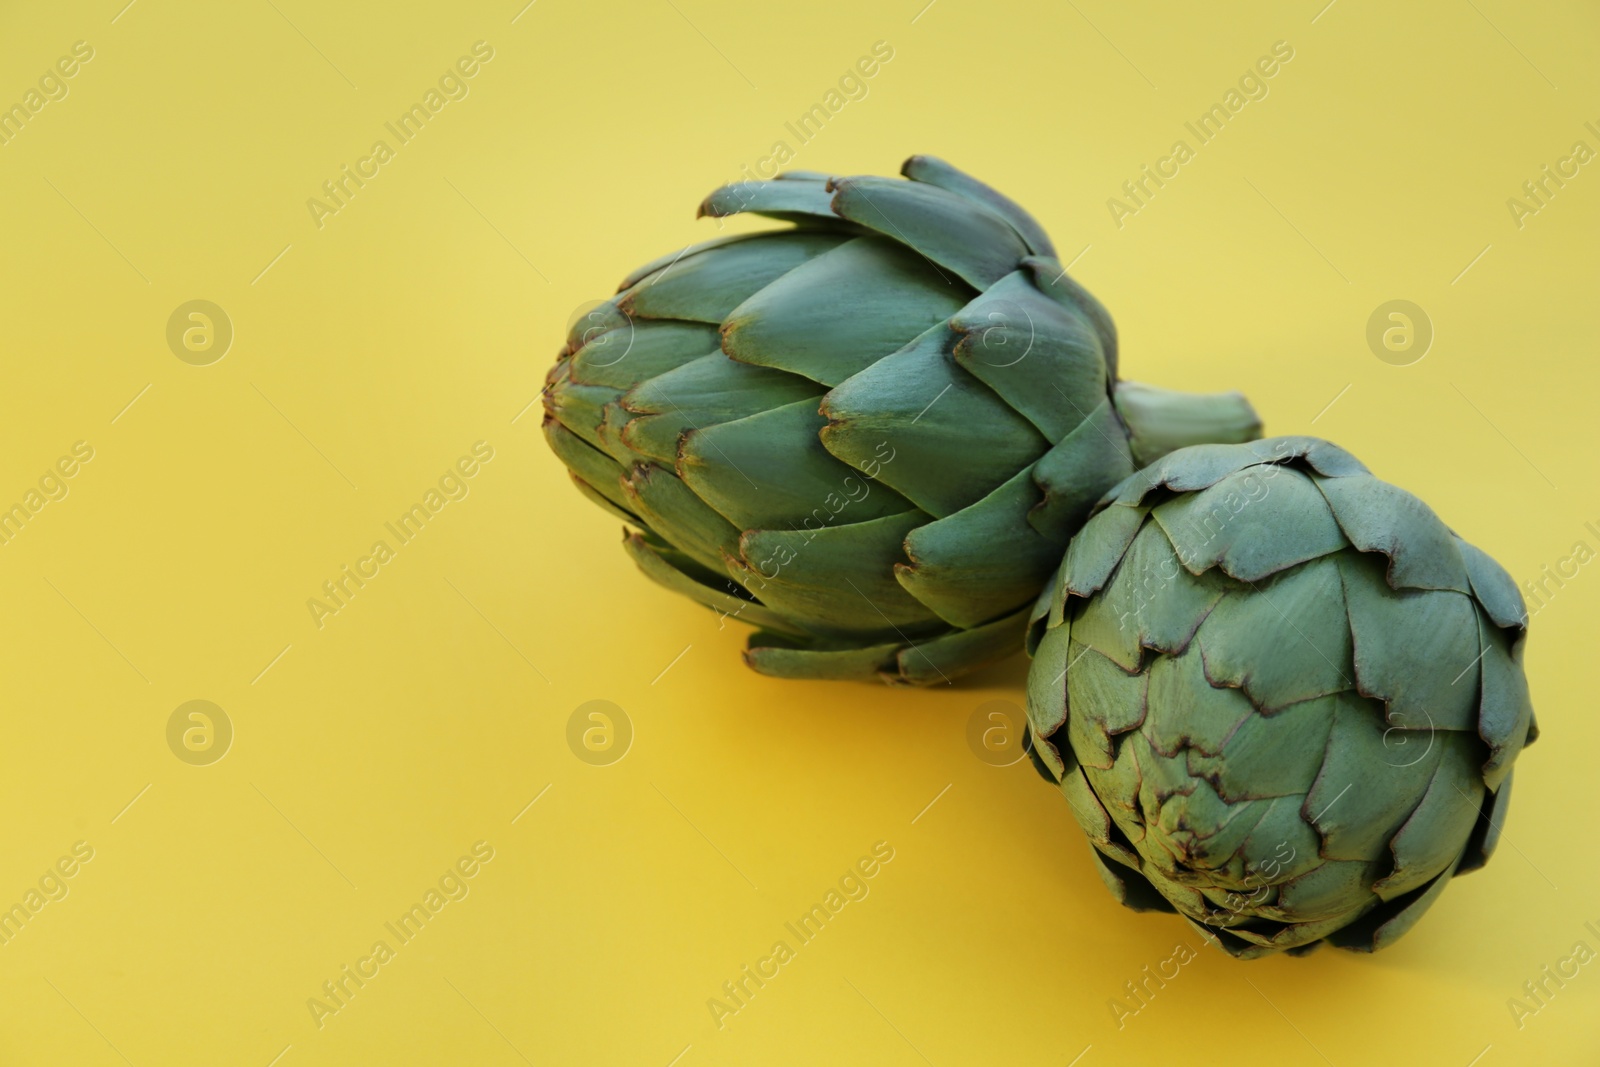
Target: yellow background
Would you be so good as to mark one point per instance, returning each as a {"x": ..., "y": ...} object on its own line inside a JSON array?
[{"x": 428, "y": 713}]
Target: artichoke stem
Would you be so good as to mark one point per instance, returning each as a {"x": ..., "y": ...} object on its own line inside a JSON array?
[{"x": 1163, "y": 420}]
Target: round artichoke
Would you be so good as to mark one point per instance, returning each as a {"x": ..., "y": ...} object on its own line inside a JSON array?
[
  {"x": 870, "y": 434},
  {"x": 1280, "y": 696}
]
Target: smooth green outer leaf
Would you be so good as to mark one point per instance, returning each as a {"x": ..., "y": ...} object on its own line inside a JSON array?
[
  {"x": 1044, "y": 363},
  {"x": 935, "y": 171},
  {"x": 836, "y": 580},
  {"x": 953, "y": 440},
  {"x": 1416, "y": 650},
  {"x": 955, "y": 233},
  {"x": 1486, "y": 833},
  {"x": 578, "y": 408},
  {"x": 1287, "y": 642},
  {"x": 782, "y": 658},
  {"x": 792, "y": 199},
  {"x": 1105, "y": 701},
  {"x": 1149, "y": 603},
  {"x": 638, "y": 275},
  {"x": 1494, "y": 589},
  {"x": 1378, "y": 517},
  {"x": 967, "y": 587},
  {"x": 937, "y": 661},
  {"x": 602, "y": 502},
  {"x": 782, "y": 476},
  {"x": 707, "y": 286},
  {"x": 665, "y": 503},
  {"x": 597, "y": 469},
  {"x": 841, "y": 312},
  {"x": 724, "y": 602},
  {"x": 925, "y": 662},
  {"x": 1505, "y": 720},
  {"x": 704, "y": 392},
  {"x": 1075, "y": 473},
  {"x": 1052, "y": 279},
  {"x": 638, "y": 351}
]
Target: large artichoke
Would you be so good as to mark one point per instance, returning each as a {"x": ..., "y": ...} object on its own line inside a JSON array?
[
  {"x": 870, "y": 434},
  {"x": 1281, "y": 697}
]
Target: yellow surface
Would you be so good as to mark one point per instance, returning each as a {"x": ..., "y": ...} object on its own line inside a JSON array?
[{"x": 373, "y": 753}]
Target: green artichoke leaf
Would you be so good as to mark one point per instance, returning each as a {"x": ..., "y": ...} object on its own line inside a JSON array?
[
  {"x": 1369, "y": 782},
  {"x": 1494, "y": 588},
  {"x": 1206, "y": 841},
  {"x": 934, "y": 171},
  {"x": 1190, "y": 829},
  {"x": 1078, "y": 471},
  {"x": 1052, "y": 280},
  {"x": 676, "y": 514},
  {"x": 968, "y": 588},
  {"x": 952, "y": 441},
  {"x": 1283, "y": 846},
  {"x": 605, "y": 505},
  {"x": 1384, "y": 924},
  {"x": 705, "y": 392},
  {"x": 1042, "y": 361},
  {"x": 613, "y": 431},
  {"x": 1103, "y": 701},
  {"x": 593, "y": 326},
  {"x": 578, "y": 408},
  {"x": 1430, "y": 841},
  {"x": 947, "y": 229},
  {"x": 1335, "y": 891},
  {"x": 1505, "y": 718},
  {"x": 687, "y": 252},
  {"x": 792, "y": 199},
  {"x": 1379, "y": 517},
  {"x": 1093, "y": 817},
  {"x": 819, "y": 577},
  {"x": 1150, "y": 602},
  {"x": 780, "y": 657},
  {"x": 655, "y": 564},
  {"x": 1289, "y": 641},
  {"x": 939, "y": 659},
  {"x": 770, "y": 471},
  {"x": 1186, "y": 900},
  {"x": 842, "y": 311},
  {"x": 1047, "y": 696},
  {"x": 1267, "y": 755},
  {"x": 1194, "y": 468},
  {"x": 1097, "y": 549},
  {"x": 1486, "y": 832},
  {"x": 1227, "y": 941},
  {"x": 1415, "y": 649},
  {"x": 1047, "y": 612},
  {"x": 1324, "y": 457},
  {"x": 596, "y": 469},
  {"x": 622, "y": 358},
  {"x": 1130, "y": 887},
  {"x": 1189, "y": 712},
  {"x": 707, "y": 286},
  {"x": 1232, "y": 525}
]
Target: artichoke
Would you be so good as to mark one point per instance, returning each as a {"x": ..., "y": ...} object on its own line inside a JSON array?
[
  {"x": 1280, "y": 696},
  {"x": 871, "y": 433}
]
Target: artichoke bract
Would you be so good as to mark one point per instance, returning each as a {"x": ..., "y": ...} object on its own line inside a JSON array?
[
  {"x": 871, "y": 433},
  {"x": 1281, "y": 697}
]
